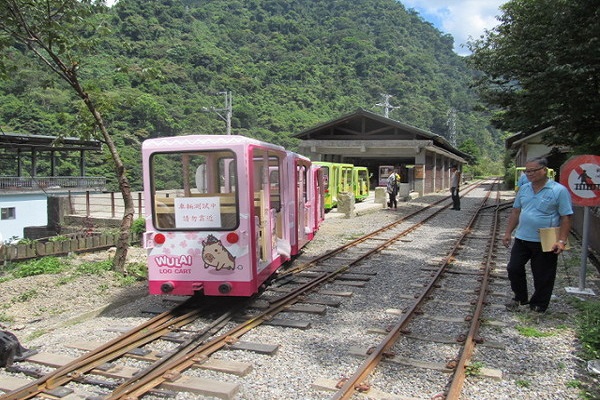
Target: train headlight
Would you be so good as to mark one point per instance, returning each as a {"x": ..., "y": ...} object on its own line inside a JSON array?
[
  {"x": 159, "y": 238},
  {"x": 232, "y": 237}
]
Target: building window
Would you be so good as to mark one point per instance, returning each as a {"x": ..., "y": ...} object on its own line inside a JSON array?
[{"x": 8, "y": 213}]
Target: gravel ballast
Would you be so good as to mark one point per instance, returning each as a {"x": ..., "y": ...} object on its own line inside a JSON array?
[{"x": 48, "y": 311}]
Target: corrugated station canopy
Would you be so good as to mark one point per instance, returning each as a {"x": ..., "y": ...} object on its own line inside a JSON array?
[
  {"x": 15, "y": 141},
  {"x": 367, "y": 134}
]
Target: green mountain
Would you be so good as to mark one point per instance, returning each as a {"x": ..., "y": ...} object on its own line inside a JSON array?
[{"x": 289, "y": 64}]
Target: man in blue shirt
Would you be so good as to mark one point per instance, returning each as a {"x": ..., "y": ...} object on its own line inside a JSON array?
[{"x": 543, "y": 203}]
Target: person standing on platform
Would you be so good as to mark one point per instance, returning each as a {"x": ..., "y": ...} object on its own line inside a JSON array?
[
  {"x": 454, "y": 187},
  {"x": 393, "y": 184}
]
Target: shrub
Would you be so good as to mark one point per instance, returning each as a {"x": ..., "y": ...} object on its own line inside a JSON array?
[
  {"x": 45, "y": 265},
  {"x": 138, "y": 226},
  {"x": 588, "y": 328}
]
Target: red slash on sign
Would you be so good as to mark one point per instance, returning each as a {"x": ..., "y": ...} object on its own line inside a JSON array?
[{"x": 581, "y": 175}]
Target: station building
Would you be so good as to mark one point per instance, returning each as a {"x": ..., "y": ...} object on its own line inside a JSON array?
[
  {"x": 364, "y": 138},
  {"x": 29, "y": 179}
]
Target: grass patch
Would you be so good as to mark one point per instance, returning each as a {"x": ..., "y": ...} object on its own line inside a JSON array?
[
  {"x": 6, "y": 318},
  {"x": 135, "y": 272},
  {"x": 94, "y": 268},
  {"x": 36, "y": 334},
  {"x": 522, "y": 383},
  {"x": 44, "y": 265},
  {"x": 574, "y": 384},
  {"x": 25, "y": 296},
  {"x": 474, "y": 368},
  {"x": 588, "y": 328},
  {"x": 529, "y": 331}
]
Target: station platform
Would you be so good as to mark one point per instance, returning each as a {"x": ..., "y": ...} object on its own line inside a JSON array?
[{"x": 360, "y": 208}]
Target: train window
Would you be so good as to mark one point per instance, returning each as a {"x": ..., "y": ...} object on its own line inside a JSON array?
[
  {"x": 194, "y": 190},
  {"x": 8, "y": 213},
  {"x": 325, "y": 170},
  {"x": 302, "y": 183},
  {"x": 266, "y": 177}
]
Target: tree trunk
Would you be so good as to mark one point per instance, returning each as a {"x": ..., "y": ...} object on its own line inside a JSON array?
[
  {"x": 43, "y": 45},
  {"x": 124, "y": 233}
]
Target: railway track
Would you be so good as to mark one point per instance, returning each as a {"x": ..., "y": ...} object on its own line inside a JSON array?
[
  {"x": 293, "y": 290},
  {"x": 466, "y": 336}
]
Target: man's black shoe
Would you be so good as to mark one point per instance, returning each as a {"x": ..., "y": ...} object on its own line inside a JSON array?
[
  {"x": 513, "y": 305},
  {"x": 537, "y": 309}
]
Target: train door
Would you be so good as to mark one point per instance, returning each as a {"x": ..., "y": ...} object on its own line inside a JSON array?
[
  {"x": 360, "y": 178},
  {"x": 345, "y": 182},
  {"x": 303, "y": 224},
  {"x": 329, "y": 184},
  {"x": 269, "y": 196},
  {"x": 318, "y": 196},
  {"x": 334, "y": 183}
]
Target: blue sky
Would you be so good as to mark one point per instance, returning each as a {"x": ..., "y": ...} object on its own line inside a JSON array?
[{"x": 460, "y": 18}]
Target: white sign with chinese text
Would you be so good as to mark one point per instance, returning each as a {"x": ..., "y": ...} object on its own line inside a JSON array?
[{"x": 198, "y": 212}]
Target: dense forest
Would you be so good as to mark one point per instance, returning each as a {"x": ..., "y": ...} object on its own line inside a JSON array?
[{"x": 157, "y": 65}]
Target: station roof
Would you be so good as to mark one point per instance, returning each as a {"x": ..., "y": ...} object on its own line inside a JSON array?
[
  {"x": 41, "y": 143},
  {"x": 366, "y": 125}
]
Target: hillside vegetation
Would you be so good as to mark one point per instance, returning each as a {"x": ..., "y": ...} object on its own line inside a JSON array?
[{"x": 290, "y": 64}]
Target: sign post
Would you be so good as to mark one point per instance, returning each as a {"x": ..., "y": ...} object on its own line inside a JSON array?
[{"x": 581, "y": 176}]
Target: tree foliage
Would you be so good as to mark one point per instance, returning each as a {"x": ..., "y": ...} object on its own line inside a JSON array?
[
  {"x": 290, "y": 64},
  {"x": 60, "y": 34},
  {"x": 541, "y": 67}
]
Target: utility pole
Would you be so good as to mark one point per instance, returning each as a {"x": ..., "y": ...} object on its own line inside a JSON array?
[
  {"x": 386, "y": 105},
  {"x": 228, "y": 110}
]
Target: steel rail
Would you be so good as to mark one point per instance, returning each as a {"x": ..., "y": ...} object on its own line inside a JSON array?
[
  {"x": 191, "y": 353},
  {"x": 460, "y": 371},
  {"x": 140, "y": 335},
  {"x": 171, "y": 368},
  {"x": 184, "y": 348},
  {"x": 356, "y": 381},
  {"x": 198, "y": 352},
  {"x": 365, "y": 238}
]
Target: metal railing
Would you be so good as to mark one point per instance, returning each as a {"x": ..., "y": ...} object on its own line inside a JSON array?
[
  {"x": 21, "y": 183},
  {"x": 104, "y": 205}
]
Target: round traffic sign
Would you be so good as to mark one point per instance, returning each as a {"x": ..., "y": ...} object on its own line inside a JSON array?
[{"x": 581, "y": 176}]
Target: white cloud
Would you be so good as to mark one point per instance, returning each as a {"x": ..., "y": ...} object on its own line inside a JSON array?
[{"x": 460, "y": 18}]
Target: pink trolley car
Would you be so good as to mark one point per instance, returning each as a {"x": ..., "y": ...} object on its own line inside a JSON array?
[{"x": 224, "y": 212}]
